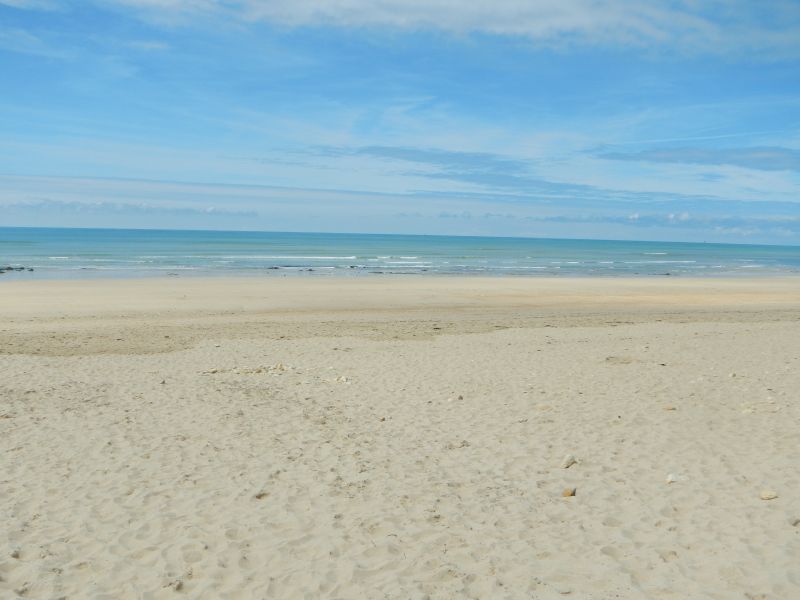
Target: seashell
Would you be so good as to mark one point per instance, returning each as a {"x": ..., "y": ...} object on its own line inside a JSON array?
[
  {"x": 569, "y": 492},
  {"x": 568, "y": 461},
  {"x": 768, "y": 495},
  {"x": 672, "y": 478}
]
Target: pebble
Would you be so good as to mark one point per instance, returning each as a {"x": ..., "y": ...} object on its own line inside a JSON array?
[
  {"x": 768, "y": 495},
  {"x": 568, "y": 461},
  {"x": 569, "y": 492},
  {"x": 672, "y": 478}
]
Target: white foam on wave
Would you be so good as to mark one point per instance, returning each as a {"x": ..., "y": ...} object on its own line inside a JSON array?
[
  {"x": 285, "y": 257},
  {"x": 659, "y": 262}
]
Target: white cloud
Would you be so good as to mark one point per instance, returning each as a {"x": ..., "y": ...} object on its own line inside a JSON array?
[
  {"x": 19, "y": 40},
  {"x": 37, "y": 4},
  {"x": 717, "y": 26},
  {"x": 147, "y": 45}
]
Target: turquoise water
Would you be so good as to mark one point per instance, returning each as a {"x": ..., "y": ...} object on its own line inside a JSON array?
[{"x": 69, "y": 253}]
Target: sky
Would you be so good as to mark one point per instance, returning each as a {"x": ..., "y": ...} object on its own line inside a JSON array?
[{"x": 632, "y": 119}]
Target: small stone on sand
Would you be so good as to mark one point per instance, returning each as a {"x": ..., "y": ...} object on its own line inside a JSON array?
[
  {"x": 569, "y": 492},
  {"x": 568, "y": 461},
  {"x": 768, "y": 495},
  {"x": 672, "y": 478}
]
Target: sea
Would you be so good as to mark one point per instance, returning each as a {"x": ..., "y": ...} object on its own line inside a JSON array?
[{"x": 107, "y": 253}]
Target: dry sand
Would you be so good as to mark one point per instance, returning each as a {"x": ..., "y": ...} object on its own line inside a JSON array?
[{"x": 400, "y": 438}]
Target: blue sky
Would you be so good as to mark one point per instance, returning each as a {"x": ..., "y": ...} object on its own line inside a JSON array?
[{"x": 668, "y": 120}]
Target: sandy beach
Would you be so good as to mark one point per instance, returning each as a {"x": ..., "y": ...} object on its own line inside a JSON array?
[{"x": 400, "y": 438}]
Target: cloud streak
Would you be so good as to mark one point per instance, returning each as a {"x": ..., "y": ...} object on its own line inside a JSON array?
[
  {"x": 54, "y": 201},
  {"x": 25, "y": 42},
  {"x": 713, "y": 26},
  {"x": 767, "y": 158},
  {"x": 122, "y": 208}
]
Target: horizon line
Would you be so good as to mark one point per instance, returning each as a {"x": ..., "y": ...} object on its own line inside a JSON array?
[{"x": 421, "y": 235}]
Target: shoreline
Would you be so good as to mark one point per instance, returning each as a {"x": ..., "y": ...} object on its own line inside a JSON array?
[
  {"x": 587, "y": 290},
  {"x": 12, "y": 276}
]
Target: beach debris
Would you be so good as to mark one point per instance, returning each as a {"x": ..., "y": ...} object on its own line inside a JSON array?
[
  {"x": 768, "y": 495},
  {"x": 795, "y": 522},
  {"x": 275, "y": 369},
  {"x": 671, "y": 478},
  {"x": 766, "y": 406},
  {"x": 670, "y": 407},
  {"x": 342, "y": 379},
  {"x": 454, "y": 446},
  {"x": 569, "y": 492},
  {"x": 562, "y": 589},
  {"x": 568, "y": 461}
]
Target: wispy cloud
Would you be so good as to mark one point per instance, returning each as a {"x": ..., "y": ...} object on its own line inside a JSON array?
[
  {"x": 761, "y": 158},
  {"x": 25, "y": 42},
  {"x": 785, "y": 226},
  {"x": 484, "y": 169},
  {"x": 69, "y": 201},
  {"x": 29, "y": 4},
  {"x": 122, "y": 208},
  {"x": 147, "y": 45},
  {"x": 449, "y": 160},
  {"x": 714, "y": 26}
]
